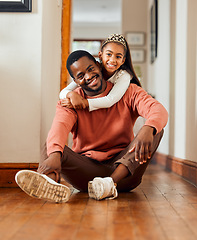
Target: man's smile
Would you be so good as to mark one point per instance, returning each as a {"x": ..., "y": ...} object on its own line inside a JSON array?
[{"x": 93, "y": 81}]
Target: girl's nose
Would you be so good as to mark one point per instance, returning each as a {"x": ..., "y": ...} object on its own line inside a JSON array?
[{"x": 113, "y": 59}]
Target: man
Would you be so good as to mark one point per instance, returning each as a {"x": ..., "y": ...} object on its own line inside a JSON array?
[{"x": 105, "y": 156}]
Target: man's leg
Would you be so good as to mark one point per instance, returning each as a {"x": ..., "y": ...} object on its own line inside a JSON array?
[
  {"x": 135, "y": 170},
  {"x": 55, "y": 175},
  {"x": 78, "y": 170},
  {"x": 126, "y": 176},
  {"x": 42, "y": 186}
]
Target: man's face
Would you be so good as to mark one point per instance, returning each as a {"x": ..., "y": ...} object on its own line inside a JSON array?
[{"x": 87, "y": 74}]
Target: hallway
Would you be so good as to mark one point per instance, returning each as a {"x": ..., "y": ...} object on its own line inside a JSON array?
[{"x": 163, "y": 207}]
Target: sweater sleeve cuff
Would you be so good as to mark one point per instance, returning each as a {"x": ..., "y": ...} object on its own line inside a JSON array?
[
  {"x": 155, "y": 125},
  {"x": 54, "y": 148}
]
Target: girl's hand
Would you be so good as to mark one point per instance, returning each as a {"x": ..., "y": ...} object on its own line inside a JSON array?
[
  {"x": 142, "y": 144},
  {"x": 66, "y": 103},
  {"x": 77, "y": 101}
]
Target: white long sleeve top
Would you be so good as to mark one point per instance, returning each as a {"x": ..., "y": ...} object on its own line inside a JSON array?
[{"x": 120, "y": 79}]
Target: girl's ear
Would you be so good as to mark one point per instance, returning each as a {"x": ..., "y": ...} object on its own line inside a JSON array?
[{"x": 123, "y": 60}]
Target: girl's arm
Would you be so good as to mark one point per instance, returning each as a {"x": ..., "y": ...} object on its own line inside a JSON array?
[
  {"x": 121, "y": 82},
  {"x": 72, "y": 86},
  {"x": 72, "y": 99}
]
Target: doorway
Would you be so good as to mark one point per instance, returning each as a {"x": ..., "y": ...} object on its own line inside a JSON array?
[{"x": 87, "y": 21}]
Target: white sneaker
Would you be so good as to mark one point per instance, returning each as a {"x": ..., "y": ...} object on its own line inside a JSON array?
[
  {"x": 41, "y": 186},
  {"x": 101, "y": 188}
]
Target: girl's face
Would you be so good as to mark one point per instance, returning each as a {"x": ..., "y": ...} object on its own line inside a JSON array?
[{"x": 112, "y": 57}]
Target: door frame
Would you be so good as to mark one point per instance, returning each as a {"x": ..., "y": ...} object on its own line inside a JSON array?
[{"x": 65, "y": 40}]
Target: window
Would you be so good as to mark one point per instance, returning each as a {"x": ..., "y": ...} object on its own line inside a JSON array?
[{"x": 92, "y": 46}]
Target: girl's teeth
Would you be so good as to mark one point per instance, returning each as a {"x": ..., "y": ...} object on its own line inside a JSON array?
[{"x": 111, "y": 65}]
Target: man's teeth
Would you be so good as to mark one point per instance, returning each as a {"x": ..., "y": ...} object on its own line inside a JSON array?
[{"x": 93, "y": 81}]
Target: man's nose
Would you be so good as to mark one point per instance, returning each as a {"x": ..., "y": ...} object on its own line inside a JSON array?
[{"x": 87, "y": 76}]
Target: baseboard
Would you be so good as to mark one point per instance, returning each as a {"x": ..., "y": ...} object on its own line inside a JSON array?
[
  {"x": 8, "y": 171},
  {"x": 184, "y": 168}
]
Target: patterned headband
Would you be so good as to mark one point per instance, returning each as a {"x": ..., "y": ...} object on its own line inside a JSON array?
[{"x": 115, "y": 38}]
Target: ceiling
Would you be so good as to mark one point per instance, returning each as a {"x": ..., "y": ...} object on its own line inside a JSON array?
[{"x": 96, "y": 11}]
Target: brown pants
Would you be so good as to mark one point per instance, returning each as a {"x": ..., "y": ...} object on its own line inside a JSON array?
[{"x": 78, "y": 170}]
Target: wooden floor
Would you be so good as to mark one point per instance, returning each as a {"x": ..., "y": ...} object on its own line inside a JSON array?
[{"x": 164, "y": 206}]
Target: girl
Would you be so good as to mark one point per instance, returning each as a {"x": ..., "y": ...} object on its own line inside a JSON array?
[{"x": 116, "y": 67}]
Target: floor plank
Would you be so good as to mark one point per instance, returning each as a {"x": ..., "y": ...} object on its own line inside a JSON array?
[{"x": 163, "y": 207}]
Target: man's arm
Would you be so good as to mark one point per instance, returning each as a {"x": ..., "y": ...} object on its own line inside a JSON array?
[
  {"x": 51, "y": 165},
  {"x": 62, "y": 125},
  {"x": 149, "y": 108},
  {"x": 142, "y": 144},
  {"x": 156, "y": 118},
  {"x": 57, "y": 138}
]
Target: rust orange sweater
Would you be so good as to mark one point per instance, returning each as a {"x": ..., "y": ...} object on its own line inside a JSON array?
[{"x": 105, "y": 132}]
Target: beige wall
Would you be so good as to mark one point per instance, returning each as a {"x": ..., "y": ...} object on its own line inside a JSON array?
[
  {"x": 29, "y": 74},
  {"x": 191, "y": 73},
  {"x": 134, "y": 19}
]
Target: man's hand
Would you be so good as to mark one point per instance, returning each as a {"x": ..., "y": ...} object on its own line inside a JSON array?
[
  {"x": 74, "y": 100},
  {"x": 142, "y": 144},
  {"x": 51, "y": 164}
]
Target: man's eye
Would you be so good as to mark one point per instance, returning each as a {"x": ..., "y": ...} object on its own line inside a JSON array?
[{"x": 80, "y": 77}]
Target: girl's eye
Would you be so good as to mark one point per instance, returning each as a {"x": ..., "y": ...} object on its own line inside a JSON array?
[
  {"x": 91, "y": 69},
  {"x": 108, "y": 54}
]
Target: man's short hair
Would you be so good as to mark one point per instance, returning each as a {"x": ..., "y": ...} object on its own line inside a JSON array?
[{"x": 75, "y": 56}]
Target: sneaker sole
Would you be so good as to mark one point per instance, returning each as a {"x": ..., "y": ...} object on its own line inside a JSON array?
[{"x": 40, "y": 186}]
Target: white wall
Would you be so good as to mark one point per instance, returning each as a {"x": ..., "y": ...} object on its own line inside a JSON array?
[
  {"x": 134, "y": 19},
  {"x": 173, "y": 76},
  {"x": 183, "y": 135},
  {"x": 180, "y": 78},
  {"x": 29, "y": 60},
  {"x": 95, "y": 19},
  {"x": 51, "y": 63},
  {"x": 94, "y": 31},
  {"x": 159, "y": 71}
]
